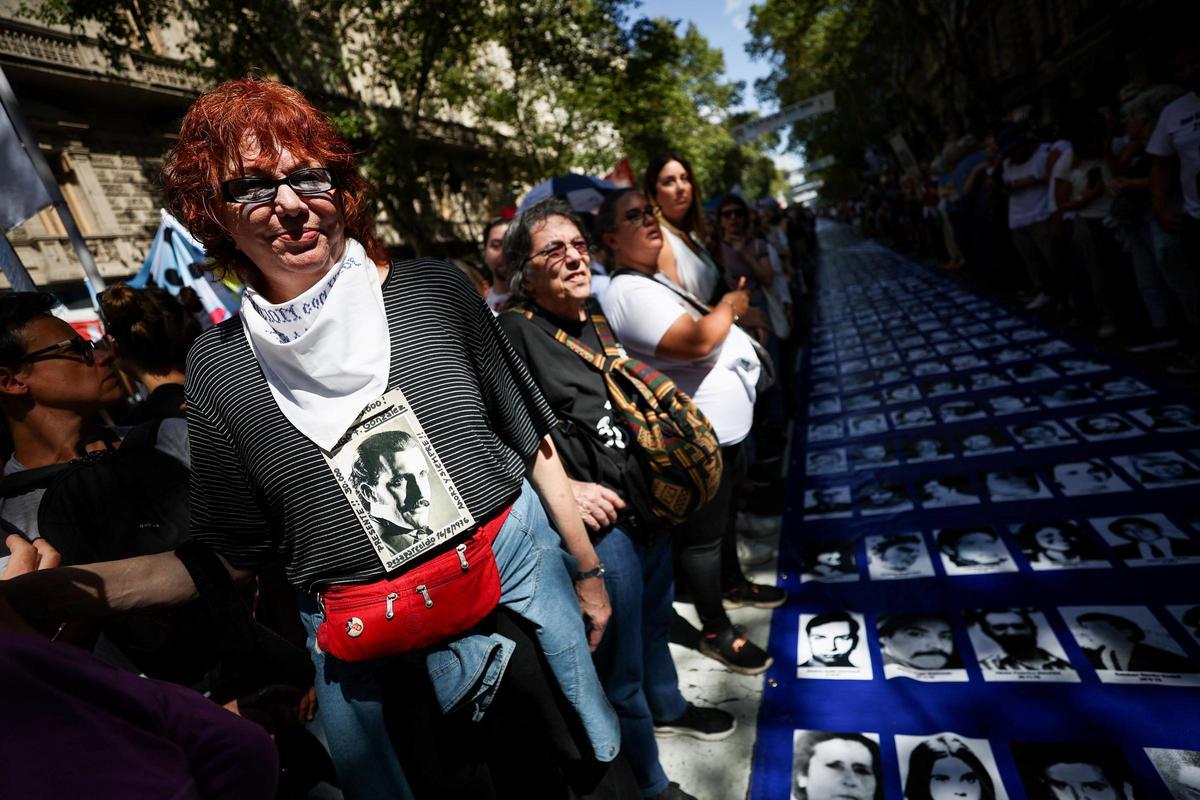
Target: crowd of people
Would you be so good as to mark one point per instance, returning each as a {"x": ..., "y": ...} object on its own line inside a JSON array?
[
  {"x": 1097, "y": 210},
  {"x": 403, "y": 528}
]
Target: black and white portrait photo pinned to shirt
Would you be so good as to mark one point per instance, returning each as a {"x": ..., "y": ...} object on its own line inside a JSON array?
[
  {"x": 903, "y": 393},
  {"x": 1003, "y": 404},
  {"x": 1017, "y": 644},
  {"x": 926, "y": 448},
  {"x": 833, "y": 646},
  {"x": 866, "y": 424},
  {"x": 983, "y": 443},
  {"x": 1102, "y": 427},
  {"x": 1094, "y": 476},
  {"x": 924, "y": 368},
  {"x": 836, "y": 766},
  {"x": 1127, "y": 644},
  {"x": 947, "y": 766},
  {"x": 987, "y": 380},
  {"x": 1063, "y": 396},
  {"x": 960, "y": 411},
  {"x": 1033, "y": 371},
  {"x": 915, "y": 417},
  {"x": 1162, "y": 470},
  {"x": 827, "y": 502},
  {"x": 1189, "y": 617},
  {"x": 1042, "y": 433},
  {"x": 1058, "y": 544},
  {"x": 1080, "y": 366},
  {"x": 394, "y": 481},
  {"x": 825, "y": 431},
  {"x": 824, "y": 406},
  {"x": 1179, "y": 770},
  {"x": 1012, "y": 484},
  {"x": 882, "y": 497},
  {"x": 825, "y": 462},
  {"x": 863, "y": 400},
  {"x": 897, "y": 556},
  {"x": 1120, "y": 387},
  {"x": 921, "y": 646},
  {"x": 1057, "y": 771},
  {"x": 829, "y": 562},
  {"x": 973, "y": 551},
  {"x": 872, "y": 456},
  {"x": 945, "y": 491},
  {"x": 1168, "y": 419},
  {"x": 1147, "y": 540},
  {"x": 942, "y": 388}
]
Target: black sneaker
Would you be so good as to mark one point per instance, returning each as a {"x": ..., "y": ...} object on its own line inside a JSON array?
[
  {"x": 673, "y": 792},
  {"x": 708, "y": 724},
  {"x": 758, "y": 595},
  {"x": 734, "y": 650}
]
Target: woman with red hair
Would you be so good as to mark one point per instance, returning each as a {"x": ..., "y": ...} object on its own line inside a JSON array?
[{"x": 335, "y": 351}]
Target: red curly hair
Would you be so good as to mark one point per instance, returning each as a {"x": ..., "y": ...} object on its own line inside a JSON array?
[{"x": 275, "y": 117}]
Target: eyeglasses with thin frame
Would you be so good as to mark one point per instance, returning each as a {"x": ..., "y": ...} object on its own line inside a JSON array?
[
  {"x": 258, "y": 189},
  {"x": 636, "y": 216},
  {"x": 556, "y": 252},
  {"x": 75, "y": 346}
]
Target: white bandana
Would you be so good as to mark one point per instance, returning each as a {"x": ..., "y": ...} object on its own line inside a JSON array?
[{"x": 325, "y": 353}]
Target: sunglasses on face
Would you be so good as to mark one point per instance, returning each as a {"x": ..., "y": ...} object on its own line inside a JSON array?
[
  {"x": 636, "y": 216},
  {"x": 75, "y": 347},
  {"x": 556, "y": 252},
  {"x": 310, "y": 180}
]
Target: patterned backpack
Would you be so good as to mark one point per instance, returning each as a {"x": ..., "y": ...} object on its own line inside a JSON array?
[{"x": 675, "y": 442}]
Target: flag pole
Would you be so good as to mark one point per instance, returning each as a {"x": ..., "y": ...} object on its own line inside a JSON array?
[
  {"x": 91, "y": 274},
  {"x": 14, "y": 270}
]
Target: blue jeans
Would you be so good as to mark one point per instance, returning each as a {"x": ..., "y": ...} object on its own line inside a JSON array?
[
  {"x": 633, "y": 660},
  {"x": 534, "y": 583}
]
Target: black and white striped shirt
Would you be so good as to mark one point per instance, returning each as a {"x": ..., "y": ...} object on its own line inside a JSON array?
[{"x": 261, "y": 489}]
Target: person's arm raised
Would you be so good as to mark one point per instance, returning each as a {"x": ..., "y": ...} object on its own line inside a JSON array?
[{"x": 690, "y": 339}]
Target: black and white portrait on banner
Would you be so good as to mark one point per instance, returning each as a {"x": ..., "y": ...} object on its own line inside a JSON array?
[
  {"x": 866, "y": 424},
  {"x": 983, "y": 443},
  {"x": 1013, "y": 484},
  {"x": 1093, "y": 476},
  {"x": 882, "y": 497},
  {"x": 1041, "y": 433},
  {"x": 1120, "y": 387},
  {"x": 960, "y": 411},
  {"x": 836, "y": 766},
  {"x": 944, "y": 491},
  {"x": 897, "y": 556},
  {"x": 929, "y": 368},
  {"x": 1189, "y": 617},
  {"x": 1018, "y": 644},
  {"x": 825, "y": 405},
  {"x": 968, "y": 361},
  {"x": 825, "y": 431},
  {"x": 943, "y": 388},
  {"x": 825, "y": 462},
  {"x": 1004, "y": 404},
  {"x": 1147, "y": 540},
  {"x": 904, "y": 393},
  {"x": 1168, "y": 419},
  {"x": 1163, "y": 470},
  {"x": 1080, "y": 366},
  {"x": 394, "y": 481},
  {"x": 915, "y": 417},
  {"x": 987, "y": 380},
  {"x": 1010, "y": 354},
  {"x": 921, "y": 646},
  {"x": 833, "y": 646},
  {"x": 1057, "y": 770},
  {"x": 1062, "y": 396},
  {"x": 947, "y": 766},
  {"x": 1033, "y": 371},
  {"x": 1179, "y": 770},
  {"x": 872, "y": 456},
  {"x": 1102, "y": 427},
  {"x": 1052, "y": 347},
  {"x": 1127, "y": 644},
  {"x": 1058, "y": 544},
  {"x": 827, "y": 502},
  {"x": 926, "y": 448},
  {"x": 857, "y": 402},
  {"x": 829, "y": 562},
  {"x": 973, "y": 551}
]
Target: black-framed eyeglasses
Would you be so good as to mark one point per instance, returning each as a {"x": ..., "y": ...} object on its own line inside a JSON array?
[
  {"x": 76, "y": 346},
  {"x": 257, "y": 189},
  {"x": 556, "y": 252},
  {"x": 636, "y": 216}
]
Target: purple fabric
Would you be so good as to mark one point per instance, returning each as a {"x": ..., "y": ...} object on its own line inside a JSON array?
[{"x": 72, "y": 726}]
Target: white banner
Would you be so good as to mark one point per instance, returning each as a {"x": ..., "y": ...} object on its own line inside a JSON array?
[
  {"x": 21, "y": 191},
  {"x": 785, "y": 116}
]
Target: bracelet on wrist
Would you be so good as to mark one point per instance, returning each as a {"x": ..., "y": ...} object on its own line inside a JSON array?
[
  {"x": 731, "y": 308},
  {"x": 595, "y": 572}
]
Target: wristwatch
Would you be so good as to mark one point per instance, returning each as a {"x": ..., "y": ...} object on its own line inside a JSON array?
[{"x": 595, "y": 572}]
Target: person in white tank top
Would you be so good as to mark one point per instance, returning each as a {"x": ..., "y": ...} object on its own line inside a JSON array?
[{"x": 670, "y": 182}]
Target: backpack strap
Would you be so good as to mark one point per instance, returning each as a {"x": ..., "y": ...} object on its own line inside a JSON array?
[
  {"x": 608, "y": 339},
  {"x": 597, "y": 360},
  {"x": 27, "y": 480}
]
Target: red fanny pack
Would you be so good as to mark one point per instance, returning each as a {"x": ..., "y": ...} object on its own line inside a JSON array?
[{"x": 445, "y": 596}]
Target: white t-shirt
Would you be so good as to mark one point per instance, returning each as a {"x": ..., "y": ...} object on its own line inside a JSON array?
[
  {"x": 641, "y": 311},
  {"x": 1061, "y": 170},
  {"x": 496, "y": 300},
  {"x": 1178, "y": 134},
  {"x": 1027, "y": 206},
  {"x": 1099, "y": 207},
  {"x": 696, "y": 276}
]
